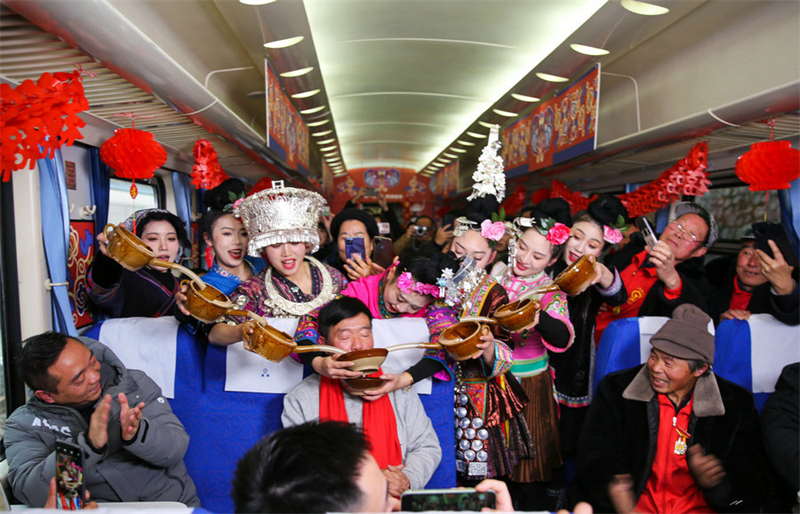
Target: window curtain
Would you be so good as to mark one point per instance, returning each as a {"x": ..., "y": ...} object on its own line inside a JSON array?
[
  {"x": 101, "y": 189},
  {"x": 182, "y": 185},
  {"x": 55, "y": 232}
]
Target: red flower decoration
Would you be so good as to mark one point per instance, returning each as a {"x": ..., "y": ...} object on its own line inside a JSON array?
[
  {"x": 206, "y": 172},
  {"x": 769, "y": 165},
  {"x": 38, "y": 118},
  {"x": 264, "y": 183},
  {"x": 515, "y": 201}
]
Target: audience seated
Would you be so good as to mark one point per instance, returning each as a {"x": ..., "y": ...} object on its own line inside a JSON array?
[
  {"x": 761, "y": 285},
  {"x": 670, "y": 435},
  {"x": 400, "y": 433},
  {"x": 81, "y": 392}
]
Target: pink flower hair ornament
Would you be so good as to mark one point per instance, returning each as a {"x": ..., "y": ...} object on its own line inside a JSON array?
[
  {"x": 558, "y": 234},
  {"x": 406, "y": 284},
  {"x": 493, "y": 231},
  {"x": 611, "y": 235}
]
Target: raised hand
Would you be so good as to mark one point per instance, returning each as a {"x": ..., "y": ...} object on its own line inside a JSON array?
[
  {"x": 98, "y": 423},
  {"x": 129, "y": 418}
]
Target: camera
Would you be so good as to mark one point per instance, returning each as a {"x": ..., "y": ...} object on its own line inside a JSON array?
[{"x": 420, "y": 231}]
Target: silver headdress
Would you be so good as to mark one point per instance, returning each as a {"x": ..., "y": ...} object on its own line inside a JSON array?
[
  {"x": 454, "y": 289},
  {"x": 489, "y": 178},
  {"x": 281, "y": 215}
]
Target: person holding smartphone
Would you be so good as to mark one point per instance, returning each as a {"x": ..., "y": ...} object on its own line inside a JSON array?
[
  {"x": 666, "y": 275},
  {"x": 762, "y": 284},
  {"x": 354, "y": 224}
]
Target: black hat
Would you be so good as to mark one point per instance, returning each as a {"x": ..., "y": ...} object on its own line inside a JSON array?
[{"x": 354, "y": 214}]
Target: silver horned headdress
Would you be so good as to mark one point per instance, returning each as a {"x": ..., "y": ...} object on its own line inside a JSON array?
[
  {"x": 281, "y": 215},
  {"x": 489, "y": 178}
]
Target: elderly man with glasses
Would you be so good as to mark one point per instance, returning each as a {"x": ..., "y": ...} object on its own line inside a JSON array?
[{"x": 671, "y": 273}]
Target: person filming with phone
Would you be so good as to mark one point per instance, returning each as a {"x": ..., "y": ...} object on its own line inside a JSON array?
[
  {"x": 130, "y": 443},
  {"x": 661, "y": 275},
  {"x": 762, "y": 284}
]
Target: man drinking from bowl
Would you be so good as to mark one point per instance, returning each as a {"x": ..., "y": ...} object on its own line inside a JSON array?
[{"x": 400, "y": 433}]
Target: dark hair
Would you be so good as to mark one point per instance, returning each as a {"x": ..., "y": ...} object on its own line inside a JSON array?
[
  {"x": 176, "y": 222},
  {"x": 37, "y": 355},
  {"x": 354, "y": 214},
  {"x": 313, "y": 467},
  {"x": 481, "y": 208},
  {"x": 338, "y": 310},
  {"x": 216, "y": 200},
  {"x": 557, "y": 209},
  {"x": 425, "y": 264},
  {"x": 695, "y": 364}
]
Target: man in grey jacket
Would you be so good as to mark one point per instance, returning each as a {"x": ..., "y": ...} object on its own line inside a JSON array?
[
  {"x": 347, "y": 324},
  {"x": 133, "y": 445}
]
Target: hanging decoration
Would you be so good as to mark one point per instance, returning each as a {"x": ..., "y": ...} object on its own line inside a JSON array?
[
  {"x": 39, "y": 117},
  {"x": 686, "y": 177},
  {"x": 770, "y": 164},
  {"x": 206, "y": 172},
  {"x": 133, "y": 154}
]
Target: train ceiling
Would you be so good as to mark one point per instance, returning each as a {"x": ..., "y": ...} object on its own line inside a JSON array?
[{"x": 401, "y": 81}]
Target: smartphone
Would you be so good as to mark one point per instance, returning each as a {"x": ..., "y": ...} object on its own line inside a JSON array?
[
  {"x": 766, "y": 230},
  {"x": 353, "y": 246},
  {"x": 647, "y": 231},
  {"x": 382, "y": 252},
  {"x": 370, "y": 191},
  {"x": 463, "y": 499},
  {"x": 70, "y": 491},
  {"x": 384, "y": 228},
  {"x": 449, "y": 219}
]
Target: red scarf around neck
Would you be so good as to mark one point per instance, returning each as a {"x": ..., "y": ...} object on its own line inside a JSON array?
[{"x": 378, "y": 420}]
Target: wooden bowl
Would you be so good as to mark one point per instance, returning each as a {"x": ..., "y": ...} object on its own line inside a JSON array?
[
  {"x": 207, "y": 304},
  {"x": 366, "y": 361},
  {"x": 519, "y": 315},
  {"x": 126, "y": 248},
  {"x": 578, "y": 276},
  {"x": 461, "y": 340},
  {"x": 357, "y": 386},
  {"x": 269, "y": 342}
]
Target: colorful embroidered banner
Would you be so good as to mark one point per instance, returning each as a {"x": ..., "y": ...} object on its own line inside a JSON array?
[
  {"x": 445, "y": 183},
  {"x": 288, "y": 134},
  {"x": 402, "y": 185},
  {"x": 563, "y": 127},
  {"x": 81, "y": 252}
]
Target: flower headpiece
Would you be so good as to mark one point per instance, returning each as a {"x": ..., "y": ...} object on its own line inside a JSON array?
[
  {"x": 489, "y": 178},
  {"x": 235, "y": 201},
  {"x": 613, "y": 233},
  {"x": 406, "y": 284},
  {"x": 456, "y": 287},
  {"x": 555, "y": 232},
  {"x": 281, "y": 215},
  {"x": 493, "y": 230}
]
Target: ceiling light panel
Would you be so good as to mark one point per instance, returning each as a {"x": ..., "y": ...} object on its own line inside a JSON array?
[
  {"x": 318, "y": 123},
  {"x": 323, "y": 133},
  {"x": 362, "y": 85},
  {"x": 451, "y": 156},
  {"x": 313, "y": 110},
  {"x": 283, "y": 43},
  {"x": 297, "y": 73},
  {"x": 476, "y": 135},
  {"x": 588, "y": 50},
  {"x": 524, "y": 98},
  {"x": 465, "y": 143},
  {"x": 306, "y": 94},
  {"x": 326, "y": 141},
  {"x": 457, "y": 150},
  {"x": 551, "y": 78},
  {"x": 643, "y": 8},
  {"x": 256, "y": 2}
]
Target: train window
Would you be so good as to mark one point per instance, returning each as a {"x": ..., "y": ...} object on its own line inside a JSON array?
[
  {"x": 120, "y": 203},
  {"x": 735, "y": 208}
]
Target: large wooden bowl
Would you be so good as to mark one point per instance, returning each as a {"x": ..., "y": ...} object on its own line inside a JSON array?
[
  {"x": 519, "y": 315},
  {"x": 366, "y": 361},
  {"x": 461, "y": 339},
  {"x": 357, "y": 386},
  {"x": 577, "y": 277},
  {"x": 206, "y": 304},
  {"x": 269, "y": 342},
  {"x": 126, "y": 248}
]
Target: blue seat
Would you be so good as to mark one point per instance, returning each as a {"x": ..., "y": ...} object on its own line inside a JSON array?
[{"x": 621, "y": 346}]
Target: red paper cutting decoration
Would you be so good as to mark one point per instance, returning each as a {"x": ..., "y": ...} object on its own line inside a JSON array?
[
  {"x": 133, "y": 154},
  {"x": 686, "y": 177},
  {"x": 206, "y": 172},
  {"x": 543, "y": 193},
  {"x": 515, "y": 202},
  {"x": 38, "y": 118},
  {"x": 769, "y": 165}
]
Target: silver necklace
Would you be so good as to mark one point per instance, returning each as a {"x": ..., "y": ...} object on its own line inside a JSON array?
[{"x": 279, "y": 303}]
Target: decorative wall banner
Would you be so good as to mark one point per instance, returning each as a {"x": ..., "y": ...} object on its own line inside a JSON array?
[
  {"x": 81, "y": 253},
  {"x": 287, "y": 132},
  {"x": 559, "y": 129},
  {"x": 327, "y": 180},
  {"x": 397, "y": 185},
  {"x": 445, "y": 183}
]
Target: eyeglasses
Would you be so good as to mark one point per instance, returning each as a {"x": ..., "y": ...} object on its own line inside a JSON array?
[{"x": 683, "y": 233}]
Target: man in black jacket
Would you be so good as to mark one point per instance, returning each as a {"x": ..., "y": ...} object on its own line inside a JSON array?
[
  {"x": 670, "y": 274},
  {"x": 762, "y": 284}
]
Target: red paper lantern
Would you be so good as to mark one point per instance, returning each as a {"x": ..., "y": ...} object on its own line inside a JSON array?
[
  {"x": 133, "y": 154},
  {"x": 769, "y": 165}
]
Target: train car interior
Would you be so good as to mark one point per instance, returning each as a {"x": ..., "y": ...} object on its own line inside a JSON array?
[{"x": 393, "y": 96}]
